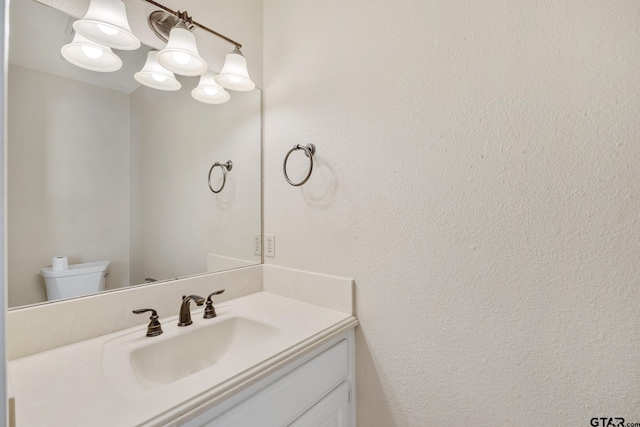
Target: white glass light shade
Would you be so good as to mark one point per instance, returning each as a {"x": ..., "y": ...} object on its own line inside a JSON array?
[
  {"x": 181, "y": 54},
  {"x": 234, "y": 74},
  {"x": 155, "y": 75},
  {"x": 209, "y": 91},
  {"x": 106, "y": 23},
  {"x": 89, "y": 55}
]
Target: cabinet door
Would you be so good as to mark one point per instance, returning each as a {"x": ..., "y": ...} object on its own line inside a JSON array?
[
  {"x": 332, "y": 411},
  {"x": 282, "y": 401}
]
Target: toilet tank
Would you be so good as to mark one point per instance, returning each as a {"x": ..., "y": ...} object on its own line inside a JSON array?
[{"x": 76, "y": 280}]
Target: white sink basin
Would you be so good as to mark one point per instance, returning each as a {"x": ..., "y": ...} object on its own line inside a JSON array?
[
  {"x": 169, "y": 360},
  {"x": 209, "y": 350}
]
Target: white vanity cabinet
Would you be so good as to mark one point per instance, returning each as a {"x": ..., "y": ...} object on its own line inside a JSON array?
[
  {"x": 266, "y": 360},
  {"x": 314, "y": 391}
]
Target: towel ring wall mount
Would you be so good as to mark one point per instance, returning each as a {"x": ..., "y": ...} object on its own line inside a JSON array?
[
  {"x": 309, "y": 151},
  {"x": 225, "y": 168}
]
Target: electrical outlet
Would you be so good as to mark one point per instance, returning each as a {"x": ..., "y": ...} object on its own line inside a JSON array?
[
  {"x": 257, "y": 244},
  {"x": 270, "y": 245}
]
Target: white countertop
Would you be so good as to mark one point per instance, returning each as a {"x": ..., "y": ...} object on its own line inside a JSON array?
[{"x": 75, "y": 386}]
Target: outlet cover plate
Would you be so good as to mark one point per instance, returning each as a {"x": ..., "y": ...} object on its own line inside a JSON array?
[
  {"x": 270, "y": 245},
  {"x": 257, "y": 244}
]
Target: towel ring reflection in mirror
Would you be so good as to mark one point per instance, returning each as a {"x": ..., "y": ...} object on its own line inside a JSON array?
[
  {"x": 309, "y": 151},
  {"x": 225, "y": 168}
]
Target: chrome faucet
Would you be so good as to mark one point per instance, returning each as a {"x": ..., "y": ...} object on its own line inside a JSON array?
[{"x": 185, "y": 312}]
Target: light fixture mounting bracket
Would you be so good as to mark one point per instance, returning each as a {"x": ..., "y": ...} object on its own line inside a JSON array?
[
  {"x": 162, "y": 22},
  {"x": 159, "y": 22},
  {"x": 184, "y": 17}
]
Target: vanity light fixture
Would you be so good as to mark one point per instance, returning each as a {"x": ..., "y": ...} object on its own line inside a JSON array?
[
  {"x": 209, "y": 91},
  {"x": 90, "y": 55},
  {"x": 234, "y": 74},
  {"x": 155, "y": 75},
  {"x": 106, "y": 23},
  {"x": 181, "y": 54}
]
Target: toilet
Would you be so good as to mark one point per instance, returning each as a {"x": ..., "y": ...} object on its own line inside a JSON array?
[{"x": 76, "y": 280}]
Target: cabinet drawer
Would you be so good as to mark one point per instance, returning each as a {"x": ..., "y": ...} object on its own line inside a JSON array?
[{"x": 281, "y": 402}]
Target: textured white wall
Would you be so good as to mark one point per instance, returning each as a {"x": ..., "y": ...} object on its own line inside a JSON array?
[
  {"x": 58, "y": 136},
  {"x": 477, "y": 173}
]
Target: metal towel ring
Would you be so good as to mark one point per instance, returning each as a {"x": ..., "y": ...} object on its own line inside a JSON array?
[
  {"x": 309, "y": 151},
  {"x": 225, "y": 167}
]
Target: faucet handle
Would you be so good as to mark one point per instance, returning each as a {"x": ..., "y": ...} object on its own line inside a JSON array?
[
  {"x": 154, "y": 328},
  {"x": 209, "y": 311}
]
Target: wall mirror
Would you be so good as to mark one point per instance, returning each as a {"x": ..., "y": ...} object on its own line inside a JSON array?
[{"x": 102, "y": 168}]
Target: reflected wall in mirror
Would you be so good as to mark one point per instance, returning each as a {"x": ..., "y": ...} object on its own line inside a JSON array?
[{"x": 103, "y": 169}]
